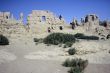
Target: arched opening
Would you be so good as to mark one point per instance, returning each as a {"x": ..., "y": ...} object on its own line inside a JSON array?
[{"x": 43, "y": 18}]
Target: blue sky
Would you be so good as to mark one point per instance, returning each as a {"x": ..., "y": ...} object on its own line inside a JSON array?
[{"x": 67, "y": 8}]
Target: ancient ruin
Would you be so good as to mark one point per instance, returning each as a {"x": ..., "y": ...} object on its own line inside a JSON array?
[
  {"x": 10, "y": 26},
  {"x": 39, "y": 19},
  {"x": 92, "y": 25},
  {"x": 8, "y": 18},
  {"x": 44, "y": 17},
  {"x": 43, "y": 21},
  {"x": 91, "y": 22}
]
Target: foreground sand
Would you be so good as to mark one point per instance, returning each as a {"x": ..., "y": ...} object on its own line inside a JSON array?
[{"x": 23, "y": 56}]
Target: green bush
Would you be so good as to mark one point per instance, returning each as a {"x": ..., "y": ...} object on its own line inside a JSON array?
[
  {"x": 67, "y": 63},
  {"x": 77, "y": 65},
  {"x": 57, "y": 38},
  {"x": 78, "y": 35},
  {"x": 69, "y": 44},
  {"x": 48, "y": 45},
  {"x": 60, "y": 45},
  {"x": 40, "y": 40},
  {"x": 4, "y": 40},
  {"x": 36, "y": 40},
  {"x": 75, "y": 70},
  {"x": 90, "y": 37},
  {"x": 82, "y": 36},
  {"x": 36, "y": 43},
  {"x": 71, "y": 51},
  {"x": 65, "y": 46},
  {"x": 109, "y": 51},
  {"x": 108, "y": 36}
]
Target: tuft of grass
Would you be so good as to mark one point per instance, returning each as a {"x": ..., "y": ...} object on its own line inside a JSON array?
[
  {"x": 75, "y": 70},
  {"x": 67, "y": 63},
  {"x": 69, "y": 44},
  {"x": 65, "y": 46},
  {"x": 71, "y": 51},
  {"x": 82, "y": 36},
  {"x": 36, "y": 43},
  {"x": 4, "y": 40},
  {"x": 58, "y": 38},
  {"x": 48, "y": 45},
  {"x": 108, "y": 36},
  {"x": 60, "y": 45},
  {"x": 77, "y": 65},
  {"x": 36, "y": 40},
  {"x": 109, "y": 51},
  {"x": 78, "y": 35}
]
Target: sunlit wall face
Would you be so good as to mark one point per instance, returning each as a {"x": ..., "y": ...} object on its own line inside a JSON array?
[{"x": 67, "y": 8}]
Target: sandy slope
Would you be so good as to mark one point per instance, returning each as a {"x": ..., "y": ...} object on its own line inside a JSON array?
[{"x": 23, "y": 56}]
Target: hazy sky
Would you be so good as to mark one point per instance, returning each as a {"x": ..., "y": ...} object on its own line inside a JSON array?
[{"x": 67, "y": 8}]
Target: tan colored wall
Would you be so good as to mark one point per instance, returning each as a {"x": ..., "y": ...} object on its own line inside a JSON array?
[{"x": 37, "y": 24}]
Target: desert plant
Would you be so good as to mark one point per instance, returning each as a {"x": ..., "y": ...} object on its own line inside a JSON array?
[
  {"x": 69, "y": 44},
  {"x": 67, "y": 63},
  {"x": 109, "y": 51},
  {"x": 60, "y": 45},
  {"x": 36, "y": 43},
  {"x": 108, "y": 36},
  {"x": 65, "y": 46},
  {"x": 82, "y": 36},
  {"x": 76, "y": 64},
  {"x": 40, "y": 40},
  {"x": 71, "y": 51},
  {"x": 36, "y": 40},
  {"x": 90, "y": 38},
  {"x": 4, "y": 40},
  {"x": 78, "y": 35},
  {"x": 57, "y": 38},
  {"x": 48, "y": 44},
  {"x": 75, "y": 70}
]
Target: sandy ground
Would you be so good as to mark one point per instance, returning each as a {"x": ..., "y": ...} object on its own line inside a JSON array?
[
  {"x": 23, "y": 56},
  {"x": 32, "y": 66},
  {"x": 98, "y": 68}
]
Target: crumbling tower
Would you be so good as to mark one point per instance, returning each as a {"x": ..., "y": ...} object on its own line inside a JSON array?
[{"x": 91, "y": 22}]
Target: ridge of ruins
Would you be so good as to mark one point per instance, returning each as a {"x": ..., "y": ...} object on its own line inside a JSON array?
[{"x": 43, "y": 21}]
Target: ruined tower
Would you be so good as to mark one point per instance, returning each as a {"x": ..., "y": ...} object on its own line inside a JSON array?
[{"x": 91, "y": 22}]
